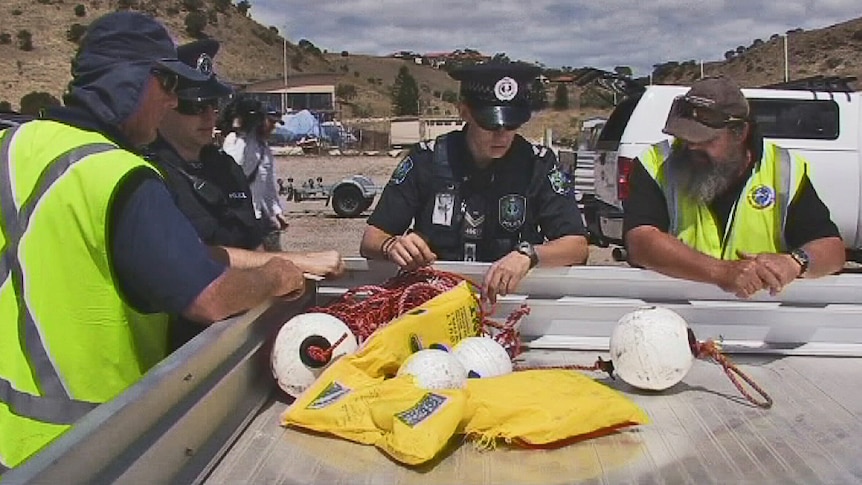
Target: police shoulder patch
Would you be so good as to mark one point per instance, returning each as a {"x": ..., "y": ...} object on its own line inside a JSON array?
[
  {"x": 401, "y": 171},
  {"x": 561, "y": 182}
]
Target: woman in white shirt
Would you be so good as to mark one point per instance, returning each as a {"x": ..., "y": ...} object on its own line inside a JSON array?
[{"x": 247, "y": 144}]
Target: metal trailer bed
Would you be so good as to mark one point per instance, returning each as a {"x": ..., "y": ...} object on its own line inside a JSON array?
[{"x": 209, "y": 413}]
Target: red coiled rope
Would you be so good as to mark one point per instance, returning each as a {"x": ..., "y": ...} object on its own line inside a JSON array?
[{"x": 366, "y": 308}]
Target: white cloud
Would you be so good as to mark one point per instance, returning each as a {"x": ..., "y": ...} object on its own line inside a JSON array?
[{"x": 605, "y": 33}]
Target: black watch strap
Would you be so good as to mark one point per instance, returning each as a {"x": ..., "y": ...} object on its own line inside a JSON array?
[{"x": 801, "y": 256}]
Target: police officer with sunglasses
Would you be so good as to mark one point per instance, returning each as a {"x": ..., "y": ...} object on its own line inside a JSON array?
[
  {"x": 207, "y": 184},
  {"x": 719, "y": 204},
  {"x": 483, "y": 193}
]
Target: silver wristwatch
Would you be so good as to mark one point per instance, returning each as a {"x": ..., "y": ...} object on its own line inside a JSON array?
[{"x": 527, "y": 249}]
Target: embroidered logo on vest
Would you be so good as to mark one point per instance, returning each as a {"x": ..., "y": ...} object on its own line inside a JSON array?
[{"x": 761, "y": 197}]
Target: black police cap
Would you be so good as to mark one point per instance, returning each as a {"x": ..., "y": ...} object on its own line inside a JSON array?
[
  {"x": 498, "y": 94},
  {"x": 199, "y": 54}
]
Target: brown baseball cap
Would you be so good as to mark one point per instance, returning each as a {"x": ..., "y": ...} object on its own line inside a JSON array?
[{"x": 706, "y": 109}]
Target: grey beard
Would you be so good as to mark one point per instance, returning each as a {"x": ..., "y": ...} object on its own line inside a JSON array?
[{"x": 704, "y": 184}]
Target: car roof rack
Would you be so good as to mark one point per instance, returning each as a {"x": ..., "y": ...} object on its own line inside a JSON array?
[{"x": 817, "y": 83}]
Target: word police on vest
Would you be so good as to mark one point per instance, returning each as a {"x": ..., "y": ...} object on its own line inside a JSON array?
[
  {"x": 482, "y": 357},
  {"x": 650, "y": 348},
  {"x": 434, "y": 369},
  {"x": 304, "y": 348}
]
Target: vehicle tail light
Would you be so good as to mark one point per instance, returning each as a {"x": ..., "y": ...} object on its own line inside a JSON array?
[{"x": 624, "y": 168}]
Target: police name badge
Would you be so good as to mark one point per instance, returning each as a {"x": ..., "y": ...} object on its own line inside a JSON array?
[
  {"x": 513, "y": 211},
  {"x": 443, "y": 208},
  {"x": 761, "y": 197},
  {"x": 401, "y": 171}
]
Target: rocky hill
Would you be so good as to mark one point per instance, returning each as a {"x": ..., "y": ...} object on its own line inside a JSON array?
[{"x": 38, "y": 38}]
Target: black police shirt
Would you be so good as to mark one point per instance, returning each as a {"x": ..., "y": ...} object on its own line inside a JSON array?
[
  {"x": 213, "y": 193},
  {"x": 471, "y": 214},
  {"x": 807, "y": 217}
]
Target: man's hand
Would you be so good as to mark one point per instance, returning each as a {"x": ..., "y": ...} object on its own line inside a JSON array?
[
  {"x": 504, "y": 275},
  {"x": 743, "y": 278},
  {"x": 410, "y": 252},
  {"x": 776, "y": 270},
  {"x": 322, "y": 263},
  {"x": 290, "y": 282}
]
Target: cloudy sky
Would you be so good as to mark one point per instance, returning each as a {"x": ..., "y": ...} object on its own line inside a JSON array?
[{"x": 598, "y": 33}]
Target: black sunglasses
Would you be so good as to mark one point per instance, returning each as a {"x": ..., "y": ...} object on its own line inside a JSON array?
[
  {"x": 701, "y": 111},
  {"x": 196, "y": 107},
  {"x": 167, "y": 80}
]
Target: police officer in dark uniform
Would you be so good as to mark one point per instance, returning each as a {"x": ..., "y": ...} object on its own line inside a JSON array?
[
  {"x": 483, "y": 193},
  {"x": 209, "y": 187}
]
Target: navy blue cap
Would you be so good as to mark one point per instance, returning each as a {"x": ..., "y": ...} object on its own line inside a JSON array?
[
  {"x": 112, "y": 66},
  {"x": 199, "y": 54},
  {"x": 130, "y": 37},
  {"x": 498, "y": 94}
]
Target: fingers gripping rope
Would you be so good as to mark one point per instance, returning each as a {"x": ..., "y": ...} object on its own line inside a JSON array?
[{"x": 366, "y": 308}]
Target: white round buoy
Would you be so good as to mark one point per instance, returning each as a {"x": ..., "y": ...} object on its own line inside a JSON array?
[
  {"x": 650, "y": 348},
  {"x": 482, "y": 357},
  {"x": 293, "y": 366},
  {"x": 434, "y": 369}
]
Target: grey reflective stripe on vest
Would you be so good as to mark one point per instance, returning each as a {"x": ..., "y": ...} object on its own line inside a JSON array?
[
  {"x": 664, "y": 151},
  {"x": 55, "y": 405},
  {"x": 3, "y": 468},
  {"x": 784, "y": 192}
]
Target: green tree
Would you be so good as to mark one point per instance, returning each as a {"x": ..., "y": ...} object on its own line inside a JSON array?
[
  {"x": 75, "y": 32},
  {"x": 561, "y": 97},
  {"x": 623, "y": 71},
  {"x": 33, "y": 103},
  {"x": 243, "y": 6},
  {"x": 80, "y": 10},
  {"x": 539, "y": 95},
  {"x": 195, "y": 23},
  {"x": 5, "y": 106},
  {"x": 25, "y": 40},
  {"x": 405, "y": 94},
  {"x": 449, "y": 96}
]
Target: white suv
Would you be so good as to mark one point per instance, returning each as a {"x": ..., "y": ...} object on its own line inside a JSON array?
[{"x": 821, "y": 124}]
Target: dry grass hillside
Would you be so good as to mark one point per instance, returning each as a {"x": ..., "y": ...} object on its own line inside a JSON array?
[
  {"x": 251, "y": 51},
  {"x": 832, "y": 51}
]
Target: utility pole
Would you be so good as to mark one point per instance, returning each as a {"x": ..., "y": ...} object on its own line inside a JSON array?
[
  {"x": 284, "y": 51},
  {"x": 701, "y": 68},
  {"x": 786, "y": 63}
]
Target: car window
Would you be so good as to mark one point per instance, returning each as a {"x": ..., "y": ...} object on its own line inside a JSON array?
[
  {"x": 616, "y": 124},
  {"x": 796, "y": 118}
]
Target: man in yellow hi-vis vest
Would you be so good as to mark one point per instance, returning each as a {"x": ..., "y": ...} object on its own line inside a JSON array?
[
  {"x": 720, "y": 205},
  {"x": 93, "y": 251}
]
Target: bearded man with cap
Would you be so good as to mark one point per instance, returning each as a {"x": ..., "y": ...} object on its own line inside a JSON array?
[
  {"x": 209, "y": 187},
  {"x": 95, "y": 254},
  {"x": 483, "y": 193},
  {"x": 719, "y": 204}
]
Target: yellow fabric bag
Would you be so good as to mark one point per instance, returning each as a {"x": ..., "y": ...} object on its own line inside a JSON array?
[
  {"x": 443, "y": 320},
  {"x": 352, "y": 400},
  {"x": 543, "y": 408}
]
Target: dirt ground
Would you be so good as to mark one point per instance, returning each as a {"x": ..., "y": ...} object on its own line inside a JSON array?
[{"x": 314, "y": 226}]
